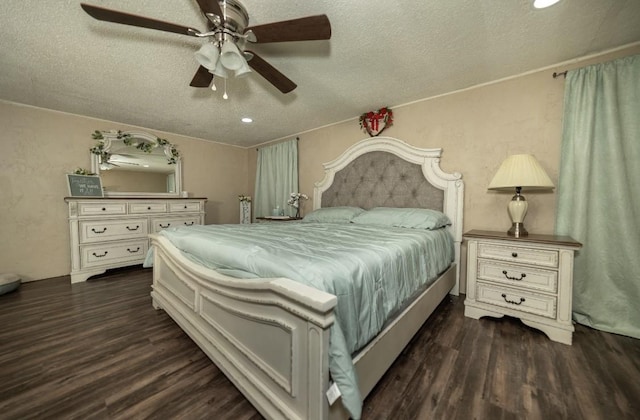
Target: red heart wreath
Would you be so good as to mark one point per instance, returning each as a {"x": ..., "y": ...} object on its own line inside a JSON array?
[{"x": 375, "y": 122}]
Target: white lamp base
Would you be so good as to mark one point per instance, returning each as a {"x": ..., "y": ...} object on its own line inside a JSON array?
[{"x": 517, "y": 211}]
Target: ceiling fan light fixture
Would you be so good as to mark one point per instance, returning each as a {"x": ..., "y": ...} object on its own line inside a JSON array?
[
  {"x": 243, "y": 71},
  {"x": 230, "y": 56},
  {"x": 220, "y": 71},
  {"x": 208, "y": 55}
]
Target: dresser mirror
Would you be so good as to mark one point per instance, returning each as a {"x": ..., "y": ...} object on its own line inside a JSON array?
[{"x": 136, "y": 164}]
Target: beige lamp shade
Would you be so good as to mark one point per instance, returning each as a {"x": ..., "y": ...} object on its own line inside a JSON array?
[{"x": 521, "y": 171}]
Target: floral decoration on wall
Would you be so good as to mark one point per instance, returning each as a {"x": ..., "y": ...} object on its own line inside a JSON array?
[{"x": 375, "y": 122}]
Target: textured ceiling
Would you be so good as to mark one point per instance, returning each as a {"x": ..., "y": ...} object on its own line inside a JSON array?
[{"x": 53, "y": 55}]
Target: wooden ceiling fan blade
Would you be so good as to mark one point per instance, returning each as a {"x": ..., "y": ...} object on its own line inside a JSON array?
[
  {"x": 211, "y": 6},
  {"x": 309, "y": 28},
  {"x": 202, "y": 78},
  {"x": 115, "y": 16},
  {"x": 273, "y": 76}
]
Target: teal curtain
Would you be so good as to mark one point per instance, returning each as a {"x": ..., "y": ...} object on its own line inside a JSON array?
[
  {"x": 599, "y": 192},
  {"x": 276, "y": 178}
]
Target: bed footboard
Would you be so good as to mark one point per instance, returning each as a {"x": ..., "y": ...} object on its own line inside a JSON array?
[{"x": 269, "y": 336}]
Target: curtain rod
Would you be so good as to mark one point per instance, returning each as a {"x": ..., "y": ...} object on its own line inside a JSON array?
[
  {"x": 297, "y": 138},
  {"x": 562, "y": 73}
]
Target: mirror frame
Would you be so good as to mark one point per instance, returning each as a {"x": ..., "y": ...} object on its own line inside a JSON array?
[{"x": 105, "y": 141}]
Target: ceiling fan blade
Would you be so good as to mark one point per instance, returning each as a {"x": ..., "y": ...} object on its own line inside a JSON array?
[
  {"x": 266, "y": 70},
  {"x": 134, "y": 20},
  {"x": 211, "y": 6},
  {"x": 202, "y": 78},
  {"x": 309, "y": 28}
]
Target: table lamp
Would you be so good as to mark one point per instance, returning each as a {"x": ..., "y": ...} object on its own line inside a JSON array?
[{"x": 520, "y": 171}]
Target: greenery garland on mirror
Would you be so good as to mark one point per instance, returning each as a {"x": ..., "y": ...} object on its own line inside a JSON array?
[{"x": 130, "y": 140}]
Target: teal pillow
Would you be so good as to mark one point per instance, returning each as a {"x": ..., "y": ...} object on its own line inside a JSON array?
[
  {"x": 406, "y": 218},
  {"x": 333, "y": 214}
]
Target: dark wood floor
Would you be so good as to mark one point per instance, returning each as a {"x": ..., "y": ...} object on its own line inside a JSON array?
[{"x": 97, "y": 350}]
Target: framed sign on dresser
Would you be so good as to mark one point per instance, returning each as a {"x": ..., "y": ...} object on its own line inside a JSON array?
[
  {"x": 113, "y": 232},
  {"x": 530, "y": 278}
]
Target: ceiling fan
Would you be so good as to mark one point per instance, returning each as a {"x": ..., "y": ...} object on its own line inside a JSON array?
[{"x": 228, "y": 34}]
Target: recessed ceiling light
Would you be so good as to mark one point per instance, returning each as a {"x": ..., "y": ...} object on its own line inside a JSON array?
[
  {"x": 247, "y": 120},
  {"x": 541, "y": 4}
]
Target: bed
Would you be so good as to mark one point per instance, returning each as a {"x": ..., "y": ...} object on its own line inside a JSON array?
[{"x": 271, "y": 336}]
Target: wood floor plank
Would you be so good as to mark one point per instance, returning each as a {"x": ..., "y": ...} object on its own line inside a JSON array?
[{"x": 98, "y": 350}]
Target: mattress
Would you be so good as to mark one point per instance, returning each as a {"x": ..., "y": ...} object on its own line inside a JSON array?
[{"x": 372, "y": 270}]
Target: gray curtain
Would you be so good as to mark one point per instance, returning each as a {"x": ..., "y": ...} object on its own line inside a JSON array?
[
  {"x": 599, "y": 192},
  {"x": 276, "y": 178}
]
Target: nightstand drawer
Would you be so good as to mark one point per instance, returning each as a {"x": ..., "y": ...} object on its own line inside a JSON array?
[
  {"x": 522, "y": 255},
  {"x": 517, "y": 300},
  {"x": 518, "y": 275}
]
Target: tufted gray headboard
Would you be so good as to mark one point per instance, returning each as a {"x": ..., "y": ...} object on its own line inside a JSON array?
[
  {"x": 387, "y": 172},
  {"x": 382, "y": 179}
]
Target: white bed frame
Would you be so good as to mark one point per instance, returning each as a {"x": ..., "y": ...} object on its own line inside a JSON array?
[{"x": 271, "y": 336}]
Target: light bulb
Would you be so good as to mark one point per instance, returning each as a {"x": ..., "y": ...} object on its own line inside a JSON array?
[{"x": 225, "y": 96}]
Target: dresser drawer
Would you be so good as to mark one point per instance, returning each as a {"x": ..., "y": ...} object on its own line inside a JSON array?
[
  {"x": 147, "y": 208},
  {"x": 518, "y": 275},
  {"x": 517, "y": 300},
  {"x": 109, "y": 230},
  {"x": 189, "y": 206},
  {"x": 523, "y": 255},
  {"x": 114, "y": 253},
  {"x": 100, "y": 209},
  {"x": 159, "y": 223}
]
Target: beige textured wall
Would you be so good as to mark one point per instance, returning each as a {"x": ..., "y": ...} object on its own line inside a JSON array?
[
  {"x": 39, "y": 146},
  {"x": 477, "y": 129}
]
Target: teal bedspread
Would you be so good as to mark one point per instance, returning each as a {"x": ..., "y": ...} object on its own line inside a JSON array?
[{"x": 372, "y": 270}]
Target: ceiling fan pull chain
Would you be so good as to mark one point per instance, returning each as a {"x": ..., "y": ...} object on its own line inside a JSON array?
[{"x": 225, "y": 96}]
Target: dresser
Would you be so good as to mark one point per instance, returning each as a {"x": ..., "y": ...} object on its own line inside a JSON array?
[
  {"x": 530, "y": 278},
  {"x": 113, "y": 232}
]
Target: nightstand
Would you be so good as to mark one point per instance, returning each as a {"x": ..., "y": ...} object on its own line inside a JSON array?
[{"x": 530, "y": 278}]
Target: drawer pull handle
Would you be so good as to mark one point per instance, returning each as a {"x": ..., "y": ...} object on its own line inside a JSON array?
[
  {"x": 513, "y": 302},
  {"x": 523, "y": 275},
  {"x": 98, "y": 231},
  {"x": 188, "y": 223},
  {"x": 185, "y": 207},
  {"x": 133, "y": 252},
  {"x": 164, "y": 227},
  {"x": 149, "y": 208},
  {"x": 100, "y": 256},
  {"x": 514, "y": 254},
  {"x": 104, "y": 209},
  {"x": 133, "y": 229}
]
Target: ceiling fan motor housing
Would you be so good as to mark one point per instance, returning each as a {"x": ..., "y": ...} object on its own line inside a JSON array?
[{"x": 236, "y": 18}]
